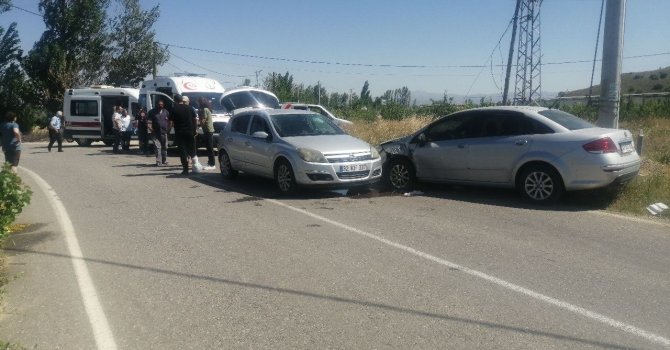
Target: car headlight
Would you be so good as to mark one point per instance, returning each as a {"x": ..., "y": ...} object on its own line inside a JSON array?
[
  {"x": 373, "y": 152},
  {"x": 311, "y": 155}
]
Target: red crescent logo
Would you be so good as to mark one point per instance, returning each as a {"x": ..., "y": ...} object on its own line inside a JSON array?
[{"x": 189, "y": 85}]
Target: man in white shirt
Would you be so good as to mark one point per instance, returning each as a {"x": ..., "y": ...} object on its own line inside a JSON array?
[{"x": 56, "y": 131}]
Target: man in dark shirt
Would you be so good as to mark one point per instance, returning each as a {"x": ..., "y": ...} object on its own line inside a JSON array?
[
  {"x": 158, "y": 127},
  {"x": 181, "y": 119}
]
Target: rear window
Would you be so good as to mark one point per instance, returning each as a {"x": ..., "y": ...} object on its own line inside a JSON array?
[{"x": 566, "y": 120}]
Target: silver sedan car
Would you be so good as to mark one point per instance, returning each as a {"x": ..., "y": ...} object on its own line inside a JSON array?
[
  {"x": 542, "y": 152},
  {"x": 296, "y": 148}
]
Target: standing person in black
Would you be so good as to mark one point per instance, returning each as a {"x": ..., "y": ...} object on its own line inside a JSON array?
[
  {"x": 182, "y": 119},
  {"x": 142, "y": 131},
  {"x": 158, "y": 127}
]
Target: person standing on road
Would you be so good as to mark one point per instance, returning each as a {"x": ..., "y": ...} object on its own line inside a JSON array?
[
  {"x": 142, "y": 133},
  {"x": 126, "y": 129},
  {"x": 11, "y": 140},
  {"x": 116, "y": 128},
  {"x": 56, "y": 131},
  {"x": 181, "y": 119},
  {"x": 207, "y": 129},
  {"x": 158, "y": 127}
]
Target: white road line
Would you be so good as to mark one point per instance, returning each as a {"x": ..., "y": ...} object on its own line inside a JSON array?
[
  {"x": 502, "y": 283},
  {"x": 104, "y": 338}
]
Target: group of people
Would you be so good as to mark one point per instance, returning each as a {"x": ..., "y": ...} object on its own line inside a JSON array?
[
  {"x": 11, "y": 136},
  {"x": 154, "y": 125},
  {"x": 185, "y": 121},
  {"x": 122, "y": 128}
]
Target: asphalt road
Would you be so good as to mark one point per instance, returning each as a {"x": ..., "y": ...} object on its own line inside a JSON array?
[{"x": 198, "y": 263}]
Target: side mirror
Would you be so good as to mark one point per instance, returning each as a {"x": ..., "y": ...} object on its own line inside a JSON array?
[
  {"x": 422, "y": 139},
  {"x": 261, "y": 135}
]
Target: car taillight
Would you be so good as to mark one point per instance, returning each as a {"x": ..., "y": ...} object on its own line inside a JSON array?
[{"x": 604, "y": 145}]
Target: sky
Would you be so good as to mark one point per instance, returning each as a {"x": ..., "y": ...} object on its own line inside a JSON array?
[{"x": 341, "y": 44}]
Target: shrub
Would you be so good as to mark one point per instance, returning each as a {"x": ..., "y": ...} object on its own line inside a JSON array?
[
  {"x": 657, "y": 87},
  {"x": 393, "y": 111},
  {"x": 663, "y": 75},
  {"x": 653, "y": 77},
  {"x": 14, "y": 196},
  {"x": 637, "y": 76}
]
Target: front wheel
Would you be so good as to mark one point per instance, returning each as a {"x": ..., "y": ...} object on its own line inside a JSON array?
[
  {"x": 541, "y": 184},
  {"x": 284, "y": 178},
  {"x": 225, "y": 166},
  {"x": 400, "y": 175}
]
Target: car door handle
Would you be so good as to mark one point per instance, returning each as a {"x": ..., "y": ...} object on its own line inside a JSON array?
[
  {"x": 521, "y": 142},
  {"x": 247, "y": 143},
  {"x": 461, "y": 146},
  {"x": 230, "y": 139}
]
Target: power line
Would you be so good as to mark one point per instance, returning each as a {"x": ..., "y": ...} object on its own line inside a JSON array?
[
  {"x": 490, "y": 57},
  {"x": 334, "y": 63},
  {"x": 24, "y": 10},
  {"x": 205, "y": 68}
]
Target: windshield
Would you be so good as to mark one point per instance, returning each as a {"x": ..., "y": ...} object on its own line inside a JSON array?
[
  {"x": 214, "y": 99},
  {"x": 244, "y": 99},
  {"x": 289, "y": 125},
  {"x": 566, "y": 120}
]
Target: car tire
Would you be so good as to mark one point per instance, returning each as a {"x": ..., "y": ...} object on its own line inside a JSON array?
[
  {"x": 83, "y": 142},
  {"x": 400, "y": 175},
  {"x": 225, "y": 166},
  {"x": 541, "y": 184},
  {"x": 285, "y": 178}
]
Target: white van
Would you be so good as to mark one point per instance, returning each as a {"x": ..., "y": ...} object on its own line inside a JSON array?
[{"x": 88, "y": 112}]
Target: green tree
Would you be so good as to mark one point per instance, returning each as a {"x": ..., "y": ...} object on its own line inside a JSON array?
[
  {"x": 280, "y": 85},
  {"x": 133, "y": 44},
  {"x": 16, "y": 94},
  {"x": 365, "y": 99},
  {"x": 72, "y": 51}
]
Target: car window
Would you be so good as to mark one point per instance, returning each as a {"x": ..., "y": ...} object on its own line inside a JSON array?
[
  {"x": 497, "y": 124},
  {"x": 454, "y": 127},
  {"x": 259, "y": 124},
  {"x": 290, "y": 125},
  {"x": 240, "y": 123},
  {"x": 566, "y": 120}
]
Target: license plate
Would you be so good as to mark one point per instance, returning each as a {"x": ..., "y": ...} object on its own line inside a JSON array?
[
  {"x": 627, "y": 147},
  {"x": 353, "y": 167}
]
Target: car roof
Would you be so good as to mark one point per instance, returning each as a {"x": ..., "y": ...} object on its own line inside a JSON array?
[
  {"x": 276, "y": 112},
  {"x": 522, "y": 109}
]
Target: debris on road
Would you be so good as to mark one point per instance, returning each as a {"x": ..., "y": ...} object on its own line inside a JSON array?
[
  {"x": 657, "y": 208},
  {"x": 413, "y": 193}
]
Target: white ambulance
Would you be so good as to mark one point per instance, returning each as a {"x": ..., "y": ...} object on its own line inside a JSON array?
[
  {"x": 88, "y": 112},
  {"x": 195, "y": 86}
]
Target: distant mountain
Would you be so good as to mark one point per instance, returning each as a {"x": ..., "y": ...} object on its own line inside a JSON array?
[{"x": 634, "y": 83}]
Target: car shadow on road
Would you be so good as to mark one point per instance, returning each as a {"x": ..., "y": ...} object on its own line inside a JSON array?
[
  {"x": 332, "y": 298},
  {"x": 258, "y": 187}
]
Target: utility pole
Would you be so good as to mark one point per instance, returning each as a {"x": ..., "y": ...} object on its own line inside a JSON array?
[
  {"x": 511, "y": 52},
  {"x": 318, "y": 84},
  {"x": 257, "y": 73},
  {"x": 610, "y": 80}
]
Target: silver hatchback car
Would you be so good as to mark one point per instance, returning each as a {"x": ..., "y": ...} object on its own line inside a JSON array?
[
  {"x": 542, "y": 152},
  {"x": 296, "y": 148}
]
